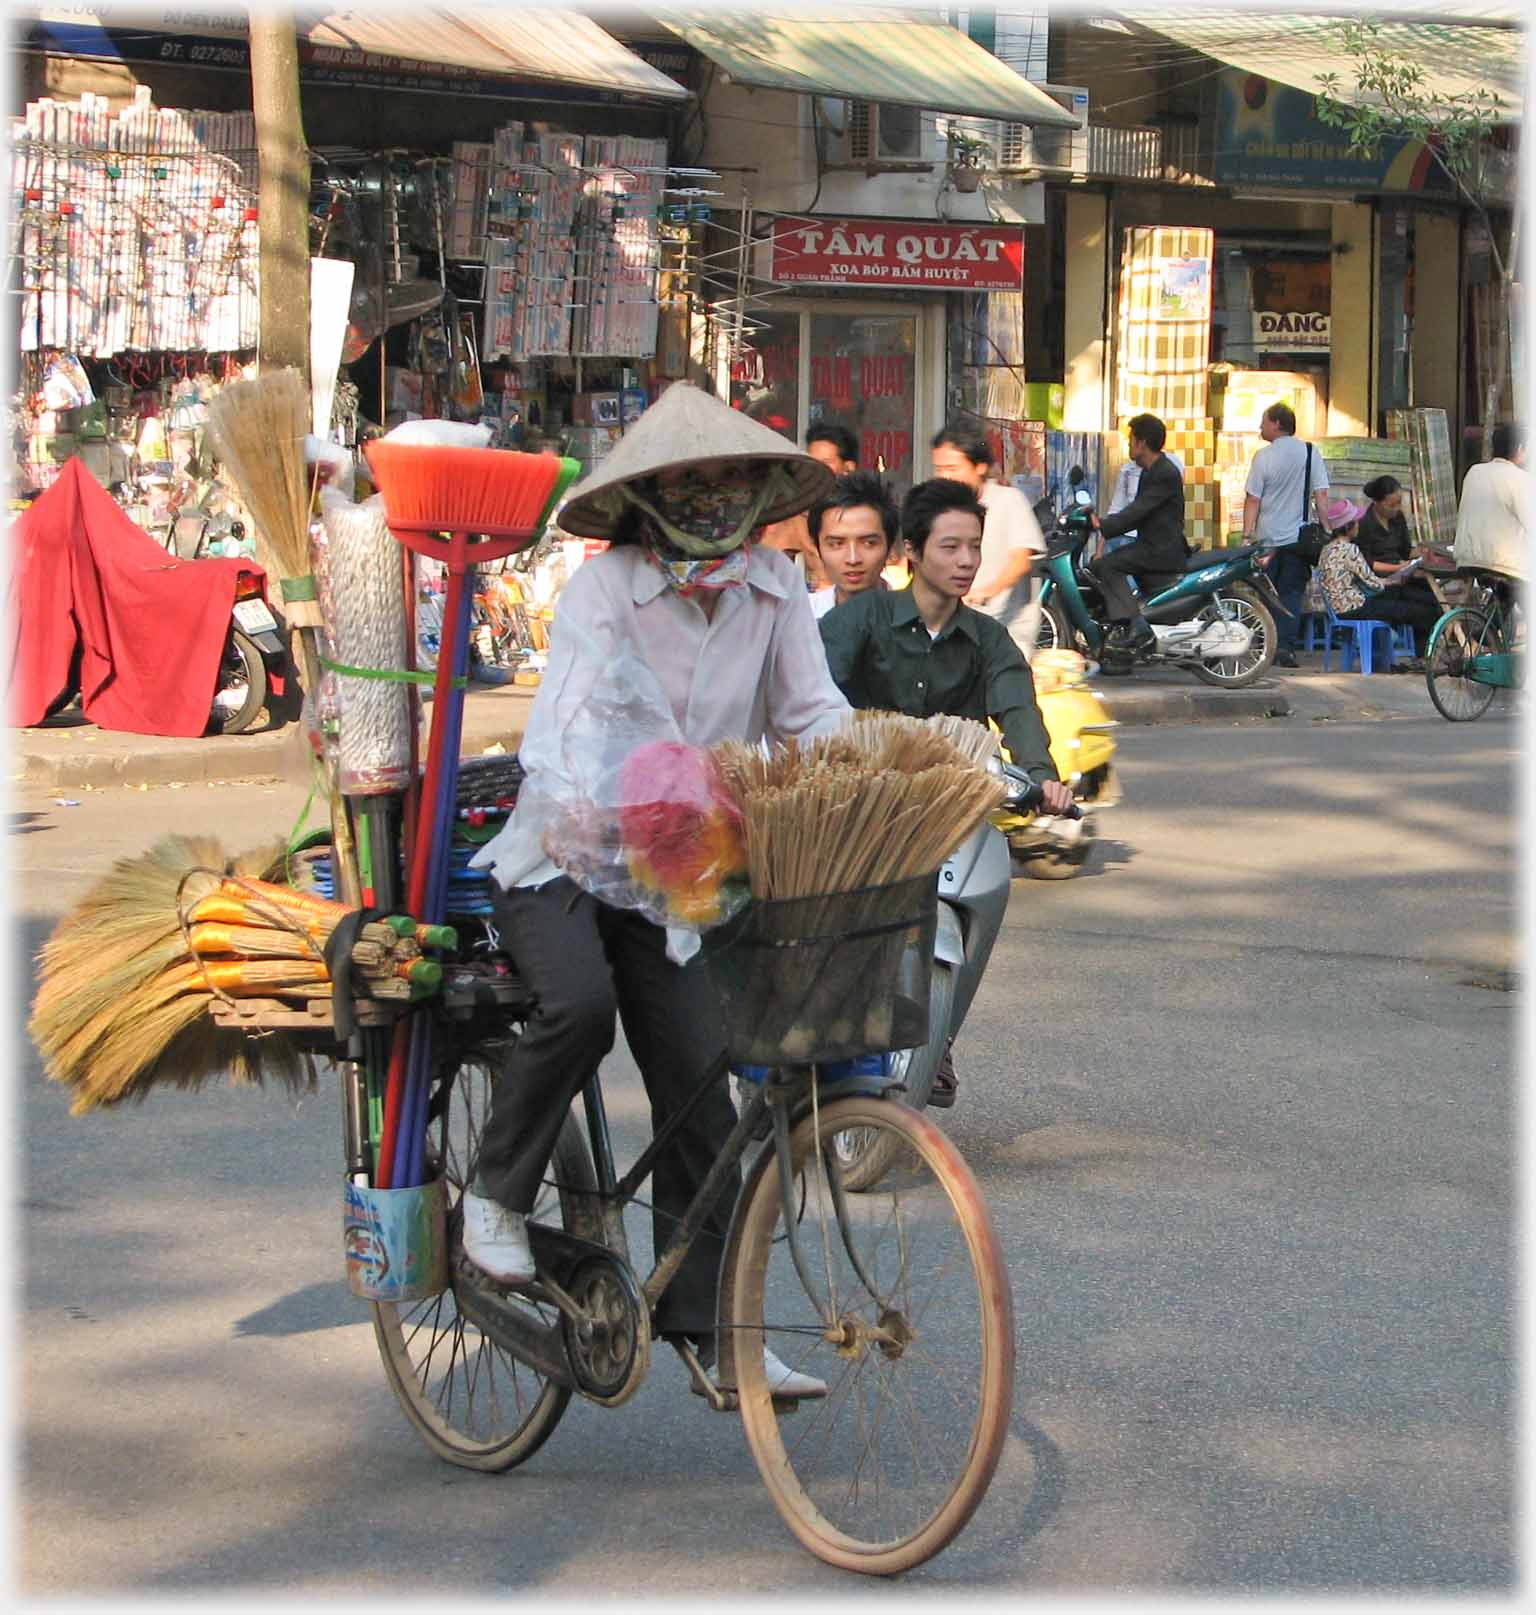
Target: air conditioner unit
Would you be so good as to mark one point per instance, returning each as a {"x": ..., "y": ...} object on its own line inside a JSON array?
[
  {"x": 1023, "y": 146},
  {"x": 877, "y": 132}
]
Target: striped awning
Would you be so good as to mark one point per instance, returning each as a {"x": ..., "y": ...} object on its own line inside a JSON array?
[
  {"x": 1461, "y": 47},
  {"x": 552, "y": 46},
  {"x": 866, "y": 54},
  {"x": 561, "y": 46}
]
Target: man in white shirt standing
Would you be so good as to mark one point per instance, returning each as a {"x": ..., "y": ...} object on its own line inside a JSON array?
[
  {"x": 1274, "y": 508},
  {"x": 1493, "y": 518},
  {"x": 1011, "y": 539}
]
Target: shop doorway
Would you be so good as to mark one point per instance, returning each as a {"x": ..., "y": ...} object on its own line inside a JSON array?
[{"x": 872, "y": 367}]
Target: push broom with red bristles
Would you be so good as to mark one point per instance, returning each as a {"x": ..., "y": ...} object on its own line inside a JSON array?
[{"x": 461, "y": 506}]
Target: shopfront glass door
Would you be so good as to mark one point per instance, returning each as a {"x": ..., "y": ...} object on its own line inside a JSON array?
[
  {"x": 863, "y": 375},
  {"x": 856, "y": 365}
]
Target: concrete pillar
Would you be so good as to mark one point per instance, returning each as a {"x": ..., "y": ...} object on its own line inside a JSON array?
[
  {"x": 1352, "y": 367},
  {"x": 1437, "y": 305},
  {"x": 1085, "y": 405}
]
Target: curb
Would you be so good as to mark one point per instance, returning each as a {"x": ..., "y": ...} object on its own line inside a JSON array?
[{"x": 1164, "y": 705}]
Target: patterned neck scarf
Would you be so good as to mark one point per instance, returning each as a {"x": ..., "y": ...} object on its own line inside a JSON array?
[{"x": 689, "y": 575}]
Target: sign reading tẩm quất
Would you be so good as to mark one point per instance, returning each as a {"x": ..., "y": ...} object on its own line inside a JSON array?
[{"x": 897, "y": 252}]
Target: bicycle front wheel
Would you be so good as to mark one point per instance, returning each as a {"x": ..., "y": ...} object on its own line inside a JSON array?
[
  {"x": 469, "y": 1400},
  {"x": 916, "y": 1348},
  {"x": 1458, "y": 638}
]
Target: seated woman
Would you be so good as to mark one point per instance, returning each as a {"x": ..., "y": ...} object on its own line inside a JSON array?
[
  {"x": 725, "y": 628},
  {"x": 1352, "y": 588},
  {"x": 1384, "y": 540}
]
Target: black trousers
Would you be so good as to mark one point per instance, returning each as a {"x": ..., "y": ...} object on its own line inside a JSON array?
[
  {"x": 1130, "y": 560},
  {"x": 1398, "y": 605},
  {"x": 584, "y": 961}
]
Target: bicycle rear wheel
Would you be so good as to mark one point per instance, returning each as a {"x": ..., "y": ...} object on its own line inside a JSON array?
[
  {"x": 1457, "y": 638},
  {"x": 883, "y": 1472},
  {"x": 471, "y": 1402}
]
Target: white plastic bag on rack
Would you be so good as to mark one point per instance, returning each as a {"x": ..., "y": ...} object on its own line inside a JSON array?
[{"x": 631, "y": 811}]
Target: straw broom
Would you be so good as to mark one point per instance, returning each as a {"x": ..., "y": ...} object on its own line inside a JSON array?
[
  {"x": 125, "y": 930},
  {"x": 257, "y": 428},
  {"x": 123, "y": 946}
]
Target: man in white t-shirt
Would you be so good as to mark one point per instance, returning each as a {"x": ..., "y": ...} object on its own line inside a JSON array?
[
  {"x": 1011, "y": 540},
  {"x": 853, "y": 529},
  {"x": 1274, "y": 509},
  {"x": 1492, "y": 531}
]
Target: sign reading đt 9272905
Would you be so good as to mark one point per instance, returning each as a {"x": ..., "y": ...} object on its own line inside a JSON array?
[{"x": 897, "y": 252}]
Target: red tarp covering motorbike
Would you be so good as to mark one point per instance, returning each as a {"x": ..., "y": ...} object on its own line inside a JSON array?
[{"x": 152, "y": 629}]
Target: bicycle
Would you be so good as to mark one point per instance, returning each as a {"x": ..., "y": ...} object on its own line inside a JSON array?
[
  {"x": 1474, "y": 650},
  {"x": 897, "y": 1297}
]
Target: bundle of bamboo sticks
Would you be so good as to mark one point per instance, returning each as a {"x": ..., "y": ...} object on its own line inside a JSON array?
[{"x": 886, "y": 798}]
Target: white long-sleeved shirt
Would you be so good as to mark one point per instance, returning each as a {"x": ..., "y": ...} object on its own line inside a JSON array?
[
  {"x": 1493, "y": 518},
  {"x": 756, "y": 669}
]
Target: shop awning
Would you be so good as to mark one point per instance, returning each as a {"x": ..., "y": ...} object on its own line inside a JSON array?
[
  {"x": 1461, "y": 48},
  {"x": 866, "y": 54},
  {"x": 549, "y": 46},
  {"x": 557, "y": 45}
]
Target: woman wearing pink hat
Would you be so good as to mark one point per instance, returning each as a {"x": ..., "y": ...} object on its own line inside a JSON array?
[{"x": 1355, "y": 592}]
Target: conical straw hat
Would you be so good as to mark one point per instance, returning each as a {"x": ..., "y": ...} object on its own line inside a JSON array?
[{"x": 684, "y": 426}]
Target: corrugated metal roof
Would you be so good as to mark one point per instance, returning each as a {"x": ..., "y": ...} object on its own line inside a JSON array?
[
  {"x": 1461, "y": 50},
  {"x": 538, "y": 44},
  {"x": 868, "y": 55}
]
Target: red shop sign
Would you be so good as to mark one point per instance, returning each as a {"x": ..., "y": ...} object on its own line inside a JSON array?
[{"x": 898, "y": 252}]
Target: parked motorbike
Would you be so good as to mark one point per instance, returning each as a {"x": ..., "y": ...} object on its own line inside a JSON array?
[
  {"x": 1047, "y": 846},
  {"x": 255, "y": 674},
  {"x": 974, "y": 884},
  {"x": 1214, "y": 619}
]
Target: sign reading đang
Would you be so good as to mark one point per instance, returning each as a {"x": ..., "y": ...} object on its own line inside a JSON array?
[
  {"x": 1288, "y": 333},
  {"x": 897, "y": 252}
]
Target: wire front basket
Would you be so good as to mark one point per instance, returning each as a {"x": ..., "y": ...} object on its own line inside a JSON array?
[{"x": 803, "y": 980}]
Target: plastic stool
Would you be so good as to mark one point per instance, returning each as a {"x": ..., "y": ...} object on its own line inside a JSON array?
[
  {"x": 1357, "y": 644},
  {"x": 1314, "y": 631},
  {"x": 1402, "y": 640}
]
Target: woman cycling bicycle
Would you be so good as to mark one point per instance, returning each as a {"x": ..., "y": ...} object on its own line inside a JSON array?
[{"x": 726, "y": 628}]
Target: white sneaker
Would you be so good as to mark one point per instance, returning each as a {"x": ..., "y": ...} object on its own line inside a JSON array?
[
  {"x": 496, "y": 1240},
  {"x": 785, "y": 1385}
]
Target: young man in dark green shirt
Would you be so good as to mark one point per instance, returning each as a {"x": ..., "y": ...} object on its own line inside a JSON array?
[{"x": 921, "y": 650}]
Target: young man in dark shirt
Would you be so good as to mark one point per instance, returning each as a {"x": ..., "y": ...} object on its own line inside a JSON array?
[
  {"x": 921, "y": 650},
  {"x": 1157, "y": 516}
]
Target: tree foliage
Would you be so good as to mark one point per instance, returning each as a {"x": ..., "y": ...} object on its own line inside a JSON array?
[{"x": 1391, "y": 99}]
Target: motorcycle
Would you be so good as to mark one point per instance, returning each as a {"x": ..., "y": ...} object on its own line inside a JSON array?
[
  {"x": 1215, "y": 618},
  {"x": 974, "y": 884},
  {"x": 254, "y": 674},
  {"x": 1048, "y": 846}
]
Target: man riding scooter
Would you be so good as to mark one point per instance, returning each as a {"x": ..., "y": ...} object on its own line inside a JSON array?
[
  {"x": 1156, "y": 515},
  {"x": 922, "y": 651}
]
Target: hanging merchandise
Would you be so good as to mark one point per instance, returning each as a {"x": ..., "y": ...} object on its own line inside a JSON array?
[{"x": 136, "y": 231}]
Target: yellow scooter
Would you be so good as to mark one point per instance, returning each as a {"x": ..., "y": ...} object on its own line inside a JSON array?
[{"x": 1083, "y": 748}]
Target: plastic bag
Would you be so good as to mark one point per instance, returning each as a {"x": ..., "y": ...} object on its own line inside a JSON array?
[{"x": 637, "y": 816}]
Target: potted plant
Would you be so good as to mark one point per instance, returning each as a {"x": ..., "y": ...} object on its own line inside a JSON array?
[{"x": 968, "y": 157}]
